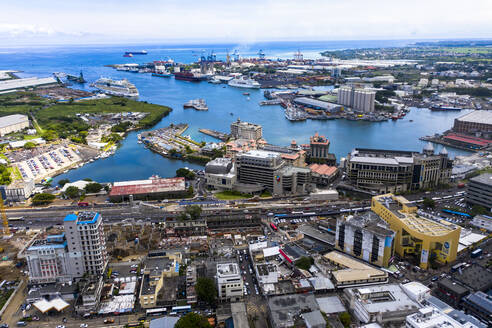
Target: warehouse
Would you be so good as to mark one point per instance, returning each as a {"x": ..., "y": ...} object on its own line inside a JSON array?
[
  {"x": 27, "y": 83},
  {"x": 478, "y": 122},
  {"x": 318, "y": 104},
  {"x": 13, "y": 123},
  {"x": 152, "y": 188}
]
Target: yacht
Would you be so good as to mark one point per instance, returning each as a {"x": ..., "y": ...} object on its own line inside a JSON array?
[
  {"x": 122, "y": 88},
  {"x": 244, "y": 82}
]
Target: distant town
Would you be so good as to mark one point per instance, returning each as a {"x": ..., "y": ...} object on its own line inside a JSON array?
[{"x": 257, "y": 234}]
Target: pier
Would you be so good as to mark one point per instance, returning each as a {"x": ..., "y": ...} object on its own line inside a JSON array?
[{"x": 216, "y": 134}]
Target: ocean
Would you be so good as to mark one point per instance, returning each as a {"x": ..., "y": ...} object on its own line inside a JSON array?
[{"x": 226, "y": 104}]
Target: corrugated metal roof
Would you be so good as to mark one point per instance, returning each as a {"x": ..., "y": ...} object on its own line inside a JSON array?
[{"x": 147, "y": 186}]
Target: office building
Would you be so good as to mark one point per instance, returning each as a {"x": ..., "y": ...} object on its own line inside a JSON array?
[
  {"x": 359, "y": 100},
  {"x": 245, "y": 130},
  {"x": 365, "y": 236},
  {"x": 352, "y": 272},
  {"x": 450, "y": 292},
  {"x": 384, "y": 304},
  {"x": 479, "y": 191},
  {"x": 479, "y": 304},
  {"x": 220, "y": 174},
  {"x": 384, "y": 171},
  {"x": 48, "y": 261},
  {"x": 229, "y": 282},
  {"x": 477, "y": 123},
  {"x": 86, "y": 242},
  {"x": 13, "y": 123},
  {"x": 415, "y": 235},
  {"x": 431, "y": 317}
]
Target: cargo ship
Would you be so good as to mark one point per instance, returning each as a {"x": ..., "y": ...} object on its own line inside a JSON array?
[
  {"x": 141, "y": 52},
  {"x": 187, "y": 76},
  {"x": 121, "y": 88},
  {"x": 444, "y": 108}
]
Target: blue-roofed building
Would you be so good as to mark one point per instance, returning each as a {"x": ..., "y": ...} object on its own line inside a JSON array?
[
  {"x": 86, "y": 242},
  {"x": 479, "y": 304}
]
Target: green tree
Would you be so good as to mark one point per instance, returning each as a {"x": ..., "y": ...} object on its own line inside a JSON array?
[
  {"x": 63, "y": 182},
  {"x": 49, "y": 135},
  {"x": 194, "y": 211},
  {"x": 206, "y": 290},
  {"x": 429, "y": 203},
  {"x": 72, "y": 192},
  {"x": 42, "y": 199},
  {"x": 29, "y": 145},
  {"x": 93, "y": 187},
  {"x": 5, "y": 178},
  {"x": 185, "y": 173},
  {"x": 479, "y": 210},
  {"x": 304, "y": 262},
  {"x": 345, "y": 319},
  {"x": 192, "y": 320}
]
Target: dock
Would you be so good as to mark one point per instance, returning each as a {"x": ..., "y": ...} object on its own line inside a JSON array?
[{"x": 216, "y": 134}]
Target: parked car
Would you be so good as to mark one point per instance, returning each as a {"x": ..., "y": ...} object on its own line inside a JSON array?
[{"x": 109, "y": 320}]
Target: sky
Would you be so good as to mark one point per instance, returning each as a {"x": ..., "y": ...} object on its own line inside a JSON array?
[{"x": 35, "y": 22}]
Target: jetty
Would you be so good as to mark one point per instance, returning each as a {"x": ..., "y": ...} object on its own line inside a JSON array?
[{"x": 216, "y": 134}]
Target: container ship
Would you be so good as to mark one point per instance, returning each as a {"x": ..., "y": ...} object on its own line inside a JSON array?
[
  {"x": 121, "y": 88},
  {"x": 141, "y": 52}
]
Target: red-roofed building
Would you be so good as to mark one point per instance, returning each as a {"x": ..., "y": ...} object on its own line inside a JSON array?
[
  {"x": 323, "y": 174},
  {"x": 153, "y": 188},
  {"x": 467, "y": 141}
]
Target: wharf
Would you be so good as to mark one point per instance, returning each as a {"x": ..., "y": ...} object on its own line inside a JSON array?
[
  {"x": 439, "y": 140},
  {"x": 216, "y": 134}
]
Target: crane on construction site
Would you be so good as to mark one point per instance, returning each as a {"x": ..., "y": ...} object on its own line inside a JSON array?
[{"x": 6, "y": 230}]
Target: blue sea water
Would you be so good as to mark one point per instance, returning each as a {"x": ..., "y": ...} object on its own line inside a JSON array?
[{"x": 133, "y": 161}]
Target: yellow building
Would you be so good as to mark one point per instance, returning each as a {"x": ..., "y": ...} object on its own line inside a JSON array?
[{"x": 416, "y": 235}]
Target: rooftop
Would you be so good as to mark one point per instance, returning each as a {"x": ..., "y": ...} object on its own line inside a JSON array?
[
  {"x": 354, "y": 270},
  {"x": 481, "y": 299},
  {"x": 477, "y": 116},
  {"x": 227, "y": 269},
  {"x": 83, "y": 217},
  {"x": 430, "y": 317},
  {"x": 370, "y": 221},
  {"x": 285, "y": 308},
  {"x": 260, "y": 154},
  {"x": 154, "y": 185},
  {"x": 485, "y": 178},
  {"x": 453, "y": 286},
  {"x": 323, "y": 169},
  {"x": 12, "y": 119},
  {"x": 25, "y": 83}
]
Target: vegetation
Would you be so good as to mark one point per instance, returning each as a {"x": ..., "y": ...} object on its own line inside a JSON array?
[
  {"x": 29, "y": 145},
  {"x": 429, "y": 203},
  {"x": 185, "y": 173},
  {"x": 192, "y": 212},
  {"x": 479, "y": 210},
  {"x": 192, "y": 320},
  {"x": 63, "y": 182},
  {"x": 5, "y": 178},
  {"x": 475, "y": 92},
  {"x": 42, "y": 199},
  {"x": 383, "y": 95},
  {"x": 72, "y": 192},
  {"x": 231, "y": 195},
  {"x": 345, "y": 319},
  {"x": 4, "y": 297},
  {"x": 93, "y": 188},
  {"x": 206, "y": 291},
  {"x": 113, "y": 137},
  {"x": 304, "y": 262},
  {"x": 121, "y": 127}
]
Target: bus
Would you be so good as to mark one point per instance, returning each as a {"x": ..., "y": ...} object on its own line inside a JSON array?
[
  {"x": 156, "y": 311},
  {"x": 18, "y": 218},
  {"x": 273, "y": 226},
  {"x": 181, "y": 309},
  {"x": 476, "y": 253},
  {"x": 458, "y": 266}
]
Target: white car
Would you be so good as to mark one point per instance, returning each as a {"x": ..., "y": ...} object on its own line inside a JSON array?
[{"x": 84, "y": 325}]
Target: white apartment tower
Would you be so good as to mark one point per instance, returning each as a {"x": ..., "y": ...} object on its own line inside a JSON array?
[
  {"x": 360, "y": 100},
  {"x": 229, "y": 282}
]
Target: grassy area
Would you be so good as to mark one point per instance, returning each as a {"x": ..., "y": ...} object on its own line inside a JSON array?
[
  {"x": 4, "y": 297},
  {"x": 231, "y": 195},
  {"x": 14, "y": 170}
]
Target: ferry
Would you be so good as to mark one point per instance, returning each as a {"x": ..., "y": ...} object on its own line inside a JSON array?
[
  {"x": 122, "y": 88},
  {"x": 243, "y": 82}
]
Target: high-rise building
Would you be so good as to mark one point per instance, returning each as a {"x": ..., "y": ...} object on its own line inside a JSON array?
[
  {"x": 396, "y": 171},
  {"x": 367, "y": 237},
  {"x": 479, "y": 191},
  {"x": 360, "y": 100},
  {"x": 229, "y": 282},
  {"x": 319, "y": 150},
  {"x": 86, "y": 242},
  {"x": 245, "y": 130},
  {"x": 425, "y": 239}
]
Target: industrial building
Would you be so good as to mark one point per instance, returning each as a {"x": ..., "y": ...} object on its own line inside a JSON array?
[
  {"x": 384, "y": 304},
  {"x": 152, "y": 188},
  {"x": 318, "y": 104},
  {"x": 367, "y": 237},
  {"x": 360, "y": 100},
  {"x": 417, "y": 236},
  {"x": 477, "y": 123},
  {"x": 14, "y": 85},
  {"x": 479, "y": 191},
  {"x": 352, "y": 272},
  {"x": 245, "y": 130},
  {"x": 384, "y": 171},
  {"x": 220, "y": 174},
  {"x": 229, "y": 282},
  {"x": 13, "y": 123}
]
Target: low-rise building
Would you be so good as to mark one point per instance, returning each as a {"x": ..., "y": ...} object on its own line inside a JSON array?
[
  {"x": 450, "y": 292},
  {"x": 482, "y": 222},
  {"x": 480, "y": 305},
  {"x": 220, "y": 174},
  {"x": 284, "y": 311},
  {"x": 367, "y": 237},
  {"x": 267, "y": 273},
  {"x": 479, "y": 191},
  {"x": 152, "y": 188},
  {"x": 351, "y": 272},
  {"x": 417, "y": 291},
  {"x": 430, "y": 317},
  {"x": 322, "y": 174},
  {"x": 416, "y": 235},
  {"x": 384, "y": 304},
  {"x": 229, "y": 282},
  {"x": 13, "y": 123}
]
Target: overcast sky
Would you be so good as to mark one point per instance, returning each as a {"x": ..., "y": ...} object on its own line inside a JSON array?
[{"x": 117, "y": 21}]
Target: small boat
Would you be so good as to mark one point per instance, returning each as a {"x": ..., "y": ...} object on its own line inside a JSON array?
[
  {"x": 231, "y": 113},
  {"x": 128, "y": 55},
  {"x": 411, "y": 120},
  {"x": 246, "y": 93}
]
